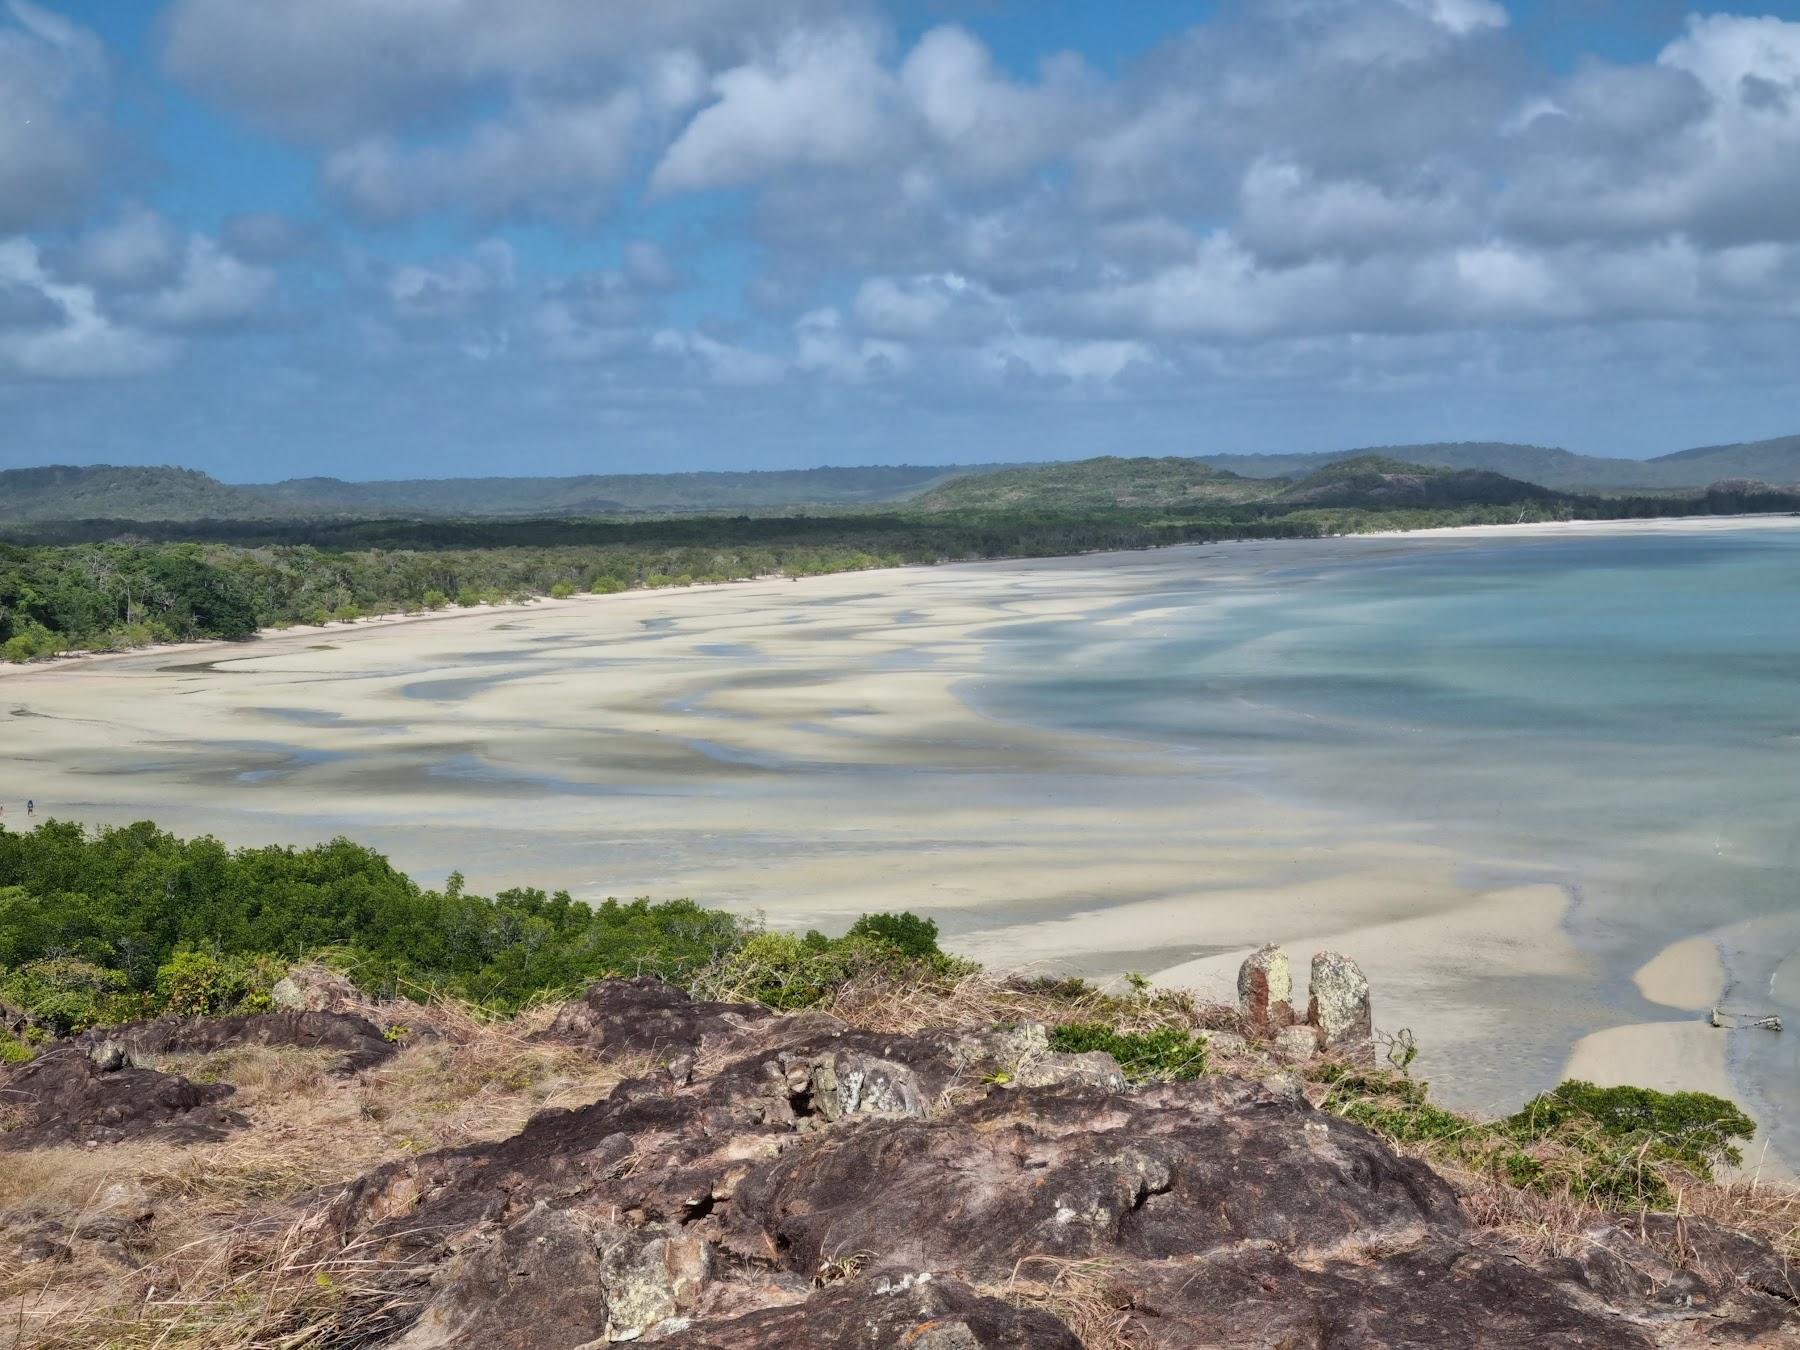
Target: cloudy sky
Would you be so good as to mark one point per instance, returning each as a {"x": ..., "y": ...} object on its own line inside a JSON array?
[{"x": 417, "y": 237}]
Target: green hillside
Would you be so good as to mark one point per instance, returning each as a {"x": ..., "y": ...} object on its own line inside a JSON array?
[
  {"x": 600, "y": 494},
  {"x": 105, "y": 492},
  {"x": 70, "y": 492},
  {"x": 1107, "y": 483},
  {"x": 1774, "y": 461},
  {"x": 1377, "y": 482}
]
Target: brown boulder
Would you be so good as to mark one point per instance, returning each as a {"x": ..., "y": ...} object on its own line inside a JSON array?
[
  {"x": 646, "y": 1016},
  {"x": 64, "y": 1097}
]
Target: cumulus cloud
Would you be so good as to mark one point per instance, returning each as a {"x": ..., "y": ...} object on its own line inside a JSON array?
[
  {"x": 60, "y": 330},
  {"x": 821, "y": 100},
  {"x": 213, "y": 289},
  {"x": 137, "y": 248},
  {"x": 453, "y": 288},
  {"x": 334, "y": 71},
  {"x": 53, "y": 77},
  {"x": 1366, "y": 196},
  {"x": 554, "y": 159},
  {"x": 986, "y": 124}
]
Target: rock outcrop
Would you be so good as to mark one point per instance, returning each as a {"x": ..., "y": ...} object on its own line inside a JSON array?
[
  {"x": 1339, "y": 1013},
  {"x": 359, "y": 1042},
  {"x": 775, "y": 1182},
  {"x": 68, "y": 1096},
  {"x": 797, "y": 1183}
]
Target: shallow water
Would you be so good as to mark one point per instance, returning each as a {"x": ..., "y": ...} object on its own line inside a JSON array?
[{"x": 1623, "y": 709}]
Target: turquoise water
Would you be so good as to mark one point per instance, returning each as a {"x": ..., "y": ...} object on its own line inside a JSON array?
[{"x": 1623, "y": 711}]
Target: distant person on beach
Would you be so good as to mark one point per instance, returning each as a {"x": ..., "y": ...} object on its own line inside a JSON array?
[{"x": 30, "y": 806}]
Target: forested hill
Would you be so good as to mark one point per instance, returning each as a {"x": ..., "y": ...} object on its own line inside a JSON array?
[
  {"x": 603, "y": 494},
  {"x": 1776, "y": 461},
  {"x": 1375, "y": 482},
  {"x": 101, "y": 492},
  {"x": 1103, "y": 484},
  {"x": 68, "y": 492},
  {"x": 64, "y": 492}
]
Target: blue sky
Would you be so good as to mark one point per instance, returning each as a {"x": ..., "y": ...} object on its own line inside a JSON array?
[{"x": 376, "y": 238}]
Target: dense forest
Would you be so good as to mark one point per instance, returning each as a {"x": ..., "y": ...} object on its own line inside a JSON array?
[
  {"x": 91, "y": 585},
  {"x": 102, "y": 596}
]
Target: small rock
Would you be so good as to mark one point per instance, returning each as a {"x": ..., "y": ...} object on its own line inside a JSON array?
[
  {"x": 1297, "y": 1042},
  {"x": 39, "y": 1248},
  {"x": 1266, "y": 988},
  {"x": 109, "y": 1056},
  {"x": 1339, "y": 1001},
  {"x": 1226, "y": 1043},
  {"x": 649, "y": 1278},
  {"x": 315, "y": 988},
  {"x": 126, "y": 1200}
]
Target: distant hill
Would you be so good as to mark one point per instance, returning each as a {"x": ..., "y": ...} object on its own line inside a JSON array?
[
  {"x": 102, "y": 492},
  {"x": 1776, "y": 461},
  {"x": 1377, "y": 482},
  {"x": 68, "y": 492},
  {"x": 163, "y": 493},
  {"x": 1092, "y": 484}
]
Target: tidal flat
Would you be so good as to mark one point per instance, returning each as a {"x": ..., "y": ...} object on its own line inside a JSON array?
[{"x": 1538, "y": 781}]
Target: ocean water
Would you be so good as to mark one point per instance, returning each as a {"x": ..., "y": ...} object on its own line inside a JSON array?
[{"x": 1620, "y": 712}]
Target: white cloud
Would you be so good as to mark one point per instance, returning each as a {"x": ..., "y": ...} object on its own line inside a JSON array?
[
  {"x": 337, "y": 71},
  {"x": 53, "y": 74},
  {"x": 138, "y": 248},
  {"x": 986, "y": 124},
  {"x": 213, "y": 289},
  {"x": 823, "y": 345},
  {"x": 78, "y": 341},
  {"x": 454, "y": 288},
  {"x": 722, "y": 362},
  {"x": 822, "y": 100},
  {"x": 555, "y": 159},
  {"x": 1461, "y": 16},
  {"x": 1286, "y": 211}
]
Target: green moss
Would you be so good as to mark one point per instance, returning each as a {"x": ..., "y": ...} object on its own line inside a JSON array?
[{"x": 1163, "y": 1054}]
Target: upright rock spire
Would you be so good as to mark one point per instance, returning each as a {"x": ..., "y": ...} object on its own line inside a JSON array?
[
  {"x": 1338, "y": 1003},
  {"x": 1265, "y": 989}
]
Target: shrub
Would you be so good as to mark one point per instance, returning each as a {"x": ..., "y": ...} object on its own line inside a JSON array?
[
  {"x": 195, "y": 983},
  {"x": 1165, "y": 1054},
  {"x": 69, "y": 995},
  {"x": 606, "y": 586},
  {"x": 1612, "y": 1147},
  {"x": 562, "y": 590},
  {"x": 1692, "y": 1129},
  {"x": 905, "y": 932},
  {"x": 789, "y": 972},
  {"x": 436, "y": 599}
]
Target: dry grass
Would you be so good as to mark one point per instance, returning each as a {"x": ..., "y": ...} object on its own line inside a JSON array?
[
  {"x": 1077, "y": 1292},
  {"x": 986, "y": 998},
  {"x": 222, "y": 1263}
]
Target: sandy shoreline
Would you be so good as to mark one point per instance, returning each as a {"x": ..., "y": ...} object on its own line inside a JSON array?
[
  {"x": 1562, "y": 528},
  {"x": 809, "y": 750}
]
